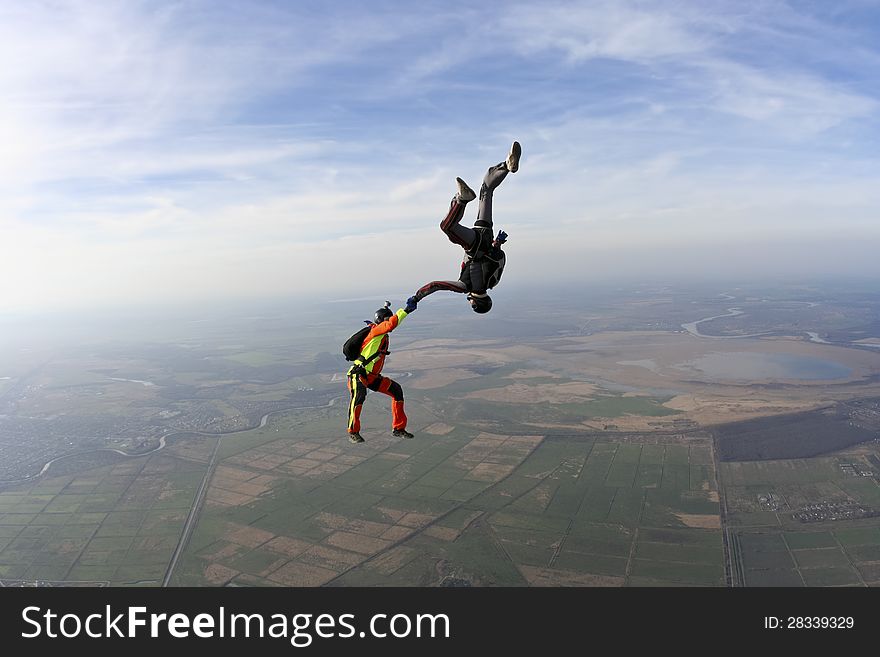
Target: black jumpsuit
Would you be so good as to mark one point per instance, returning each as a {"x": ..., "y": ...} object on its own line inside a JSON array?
[{"x": 483, "y": 261}]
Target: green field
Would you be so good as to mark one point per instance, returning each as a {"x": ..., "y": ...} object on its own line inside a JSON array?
[
  {"x": 773, "y": 547},
  {"x": 292, "y": 503},
  {"x": 485, "y": 508},
  {"x": 526, "y": 471},
  {"x": 116, "y": 524}
]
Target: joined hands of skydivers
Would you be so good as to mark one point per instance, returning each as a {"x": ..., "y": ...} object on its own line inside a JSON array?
[{"x": 480, "y": 271}]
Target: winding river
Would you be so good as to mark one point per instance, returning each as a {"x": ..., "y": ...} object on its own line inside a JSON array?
[{"x": 691, "y": 327}]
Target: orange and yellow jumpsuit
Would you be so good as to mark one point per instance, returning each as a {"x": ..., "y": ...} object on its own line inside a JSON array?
[{"x": 362, "y": 377}]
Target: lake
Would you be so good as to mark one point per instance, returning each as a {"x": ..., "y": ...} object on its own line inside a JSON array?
[{"x": 750, "y": 366}]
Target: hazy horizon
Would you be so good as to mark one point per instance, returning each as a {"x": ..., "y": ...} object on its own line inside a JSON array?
[
  {"x": 186, "y": 153},
  {"x": 333, "y": 318}
]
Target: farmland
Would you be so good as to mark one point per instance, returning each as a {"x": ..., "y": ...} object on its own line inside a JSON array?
[
  {"x": 792, "y": 523},
  {"x": 611, "y": 440}
]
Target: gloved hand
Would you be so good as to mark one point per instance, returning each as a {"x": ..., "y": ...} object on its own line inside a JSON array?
[
  {"x": 411, "y": 305},
  {"x": 502, "y": 237}
]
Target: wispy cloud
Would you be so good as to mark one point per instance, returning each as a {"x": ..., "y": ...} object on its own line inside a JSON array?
[
  {"x": 628, "y": 31},
  {"x": 796, "y": 103},
  {"x": 205, "y": 148},
  {"x": 721, "y": 57}
]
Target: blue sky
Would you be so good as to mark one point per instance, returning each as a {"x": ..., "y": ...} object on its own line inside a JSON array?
[{"x": 211, "y": 150}]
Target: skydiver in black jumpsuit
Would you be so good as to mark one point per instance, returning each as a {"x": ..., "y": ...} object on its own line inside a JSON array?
[{"x": 484, "y": 260}]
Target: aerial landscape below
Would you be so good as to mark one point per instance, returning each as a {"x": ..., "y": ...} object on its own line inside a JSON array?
[{"x": 634, "y": 436}]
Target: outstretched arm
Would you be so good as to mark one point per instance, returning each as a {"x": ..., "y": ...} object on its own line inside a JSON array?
[
  {"x": 436, "y": 286},
  {"x": 387, "y": 326}
]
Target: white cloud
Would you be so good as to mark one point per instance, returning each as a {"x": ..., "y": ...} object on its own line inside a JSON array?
[
  {"x": 147, "y": 152},
  {"x": 628, "y": 31},
  {"x": 797, "y": 103},
  {"x": 702, "y": 53},
  {"x": 90, "y": 81}
]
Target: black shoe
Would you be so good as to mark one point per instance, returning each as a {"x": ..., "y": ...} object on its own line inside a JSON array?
[
  {"x": 355, "y": 438},
  {"x": 401, "y": 433},
  {"x": 513, "y": 158}
]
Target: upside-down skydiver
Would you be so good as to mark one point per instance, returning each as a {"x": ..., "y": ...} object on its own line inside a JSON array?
[{"x": 483, "y": 258}]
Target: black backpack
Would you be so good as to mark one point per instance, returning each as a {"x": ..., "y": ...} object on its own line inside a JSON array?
[{"x": 352, "y": 347}]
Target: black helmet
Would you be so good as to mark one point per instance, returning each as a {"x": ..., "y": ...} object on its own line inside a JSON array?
[
  {"x": 481, "y": 303},
  {"x": 384, "y": 312}
]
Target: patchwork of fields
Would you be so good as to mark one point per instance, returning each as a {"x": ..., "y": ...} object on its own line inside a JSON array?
[
  {"x": 116, "y": 524},
  {"x": 563, "y": 447},
  {"x": 458, "y": 506},
  {"x": 291, "y": 503},
  {"x": 804, "y": 522}
]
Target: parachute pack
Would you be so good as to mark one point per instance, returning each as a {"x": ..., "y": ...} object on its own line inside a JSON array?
[{"x": 352, "y": 347}]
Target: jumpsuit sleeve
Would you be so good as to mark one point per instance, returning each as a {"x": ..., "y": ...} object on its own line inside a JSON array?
[{"x": 387, "y": 326}]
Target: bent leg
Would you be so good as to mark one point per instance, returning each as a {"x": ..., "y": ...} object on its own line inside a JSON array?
[
  {"x": 392, "y": 389},
  {"x": 452, "y": 228},
  {"x": 358, "y": 394}
]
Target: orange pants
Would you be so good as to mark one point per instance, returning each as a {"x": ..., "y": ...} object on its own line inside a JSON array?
[{"x": 358, "y": 386}]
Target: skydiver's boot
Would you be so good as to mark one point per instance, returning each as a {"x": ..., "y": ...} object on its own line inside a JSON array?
[
  {"x": 465, "y": 193},
  {"x": 495, "y": 175},
  {"x": 401, "y": 433},
  {"x": 512, "y": 161},
  {"x": 355, "y": 438}
]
